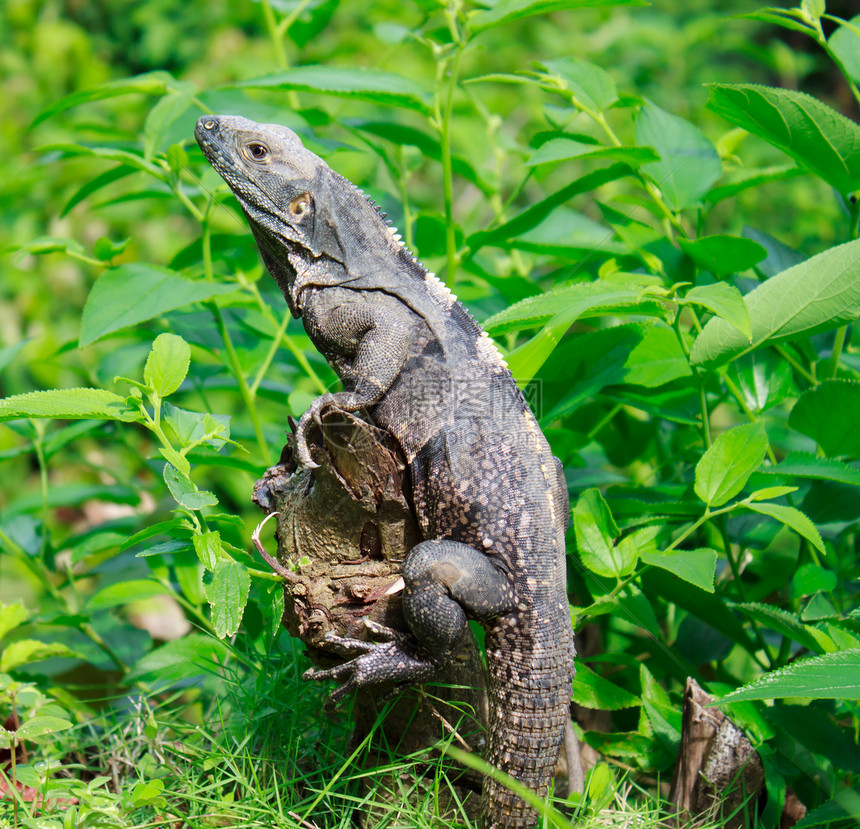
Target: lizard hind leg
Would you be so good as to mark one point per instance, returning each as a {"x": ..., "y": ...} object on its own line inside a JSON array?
[{"x": 448, "y": 582}]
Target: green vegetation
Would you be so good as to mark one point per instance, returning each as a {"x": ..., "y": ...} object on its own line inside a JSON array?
[{"x": 651, "y": 216}]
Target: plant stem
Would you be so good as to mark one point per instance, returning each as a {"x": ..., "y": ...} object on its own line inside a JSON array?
[
  {"x": 232, "y": 356},
  {"x": 447, "y": 173},
  {"x": 783, "y": 352},
  {"x": 270, "y": 355},
  {"x": 838, "y": 344}
]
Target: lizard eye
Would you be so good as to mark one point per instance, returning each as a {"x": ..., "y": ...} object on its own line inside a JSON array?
[
  {"x": 300, "y": 204},
  {"x": 257, "y": 151}
]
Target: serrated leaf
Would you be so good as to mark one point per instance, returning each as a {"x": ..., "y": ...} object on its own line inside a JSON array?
[
  {"x": 180, "y": 659},
  {"x": 191, "y": 427},
  {"x": 658, "y": 359},
  {"x": 68, "y": 404},
  {"x": 723, "y": 254},
  {"x": 359, "y": 83},
  {"x": 155, "y": 291},
  {"x": 689, "y": 164},
  {"x": 793, "y": 518},
  {"x": 782, "y": 622},
  {"x": 694, "y": 566},
  {"x": 725, "y": 468},
  {"x": 124, "y": 592},
  {"x": 25, "y": 651},
  {"x": 175, "y": 459},
  {"x": 813, "y": 134},
  {"x": 828, "y": 414},
  {"x": 185, "y": 491},
  {"x": 804, "y": 465},
  {"x": 843, "y": 807},
  {"x": 592, "y": 86},
  {"x": 593, "y": 691},
  {"x": 148, "y": 83},
  {"x": 831, "y": 676},
  {"x": 725, "y": 301},
  {"x": 507, "y": 11},
  {"x": 227, "y": 594},
  {"x": 167, "y": 364},
  {"x": 208, "y": 548},
  {"x": 564, "y": 149},
  {"x": 817, "y": 295}
]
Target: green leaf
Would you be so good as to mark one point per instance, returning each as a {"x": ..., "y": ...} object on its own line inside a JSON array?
[
  {"x": 94, "y": 185},
  {"x": 828, "y": 414},
  {"x": 743, "y": 179},
  {"x": 726, "y": 466},
  {"x": 154, "y": 290},
  {"x": 149, "y": 83},
  {"x": 121, "y": 156},
  {"x": 191, "y": 428},
  {"x": 812, "y": 133},
  {"x": 695, "y": 566},
  {"x": 525, "y": 360},
  {"x": 592, "y": 86},
  {"x": 125, "y": 592},
  {"x": 358, "y": 83},
  {"x": 173, "y": 105},
  {"x": 804, "y": 465},
  {"x": 68, "y": 404},
  {"x": 595, "y": 537},
  {"x": 534, "y": 215},
  {"x": 593, "y": 691},
  {"x": 782, "y": 622},
  {"x": 148, "y": 792},
  {"x": 106, "y": 249},
  {"x": 817, "y": 732},
  {"x": 763, "y": 378},
  {"x": 208, "y": 548},
  {"x": 538, "y": 310},
  {"x": 771, "y": 492},
  {"x": 564, "y": 149},
  {"x": 167, "y": 364},
  {"x": 180, "y": 659},
  {"x": 817, "y": 295},
  {"x": 723, "y": 254},
  {"x": 725, "y": 301},
  {"x": 810, "y": 579},
  {"x": 845, "y": 43},
  {"x": 11, "y": 616},
  {"x": 227, "y": 594},
  {"x": 38, "y": 726},
  {"x": 657, "y": 360},
  {"x": 25, "y": 651},
  {"x": 793, "y": 518},
  {"x": 175, "y": 459},
  {"x": 831, "y": 676},
  {"x": 507, "y": 11},
  {"x": 185, "y": 491},
  {"x": 843, "y": 807},
  {"x": 688, "y": 164}
]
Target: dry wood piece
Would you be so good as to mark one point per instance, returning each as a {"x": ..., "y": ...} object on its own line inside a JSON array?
[{"x": 718, "y": 774}]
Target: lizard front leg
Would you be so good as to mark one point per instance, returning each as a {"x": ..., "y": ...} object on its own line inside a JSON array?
[
  {"x": 367, "y": 345},
  {"x": 447, "y": 583}
]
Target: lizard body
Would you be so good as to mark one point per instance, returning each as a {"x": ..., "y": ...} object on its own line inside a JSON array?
[{"x": 487, "y": 492}]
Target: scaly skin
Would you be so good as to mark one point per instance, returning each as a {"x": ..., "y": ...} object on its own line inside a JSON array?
[{"x": 486, "y": 490}]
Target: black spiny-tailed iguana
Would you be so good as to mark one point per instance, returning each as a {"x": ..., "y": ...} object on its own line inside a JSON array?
[{"x": 487, "y": 492}]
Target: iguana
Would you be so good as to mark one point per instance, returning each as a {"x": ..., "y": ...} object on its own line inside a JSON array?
[{"x": 489, "y": 496}]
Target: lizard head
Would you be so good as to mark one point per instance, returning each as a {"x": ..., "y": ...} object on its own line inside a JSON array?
[{"x": 313, "y": 227}]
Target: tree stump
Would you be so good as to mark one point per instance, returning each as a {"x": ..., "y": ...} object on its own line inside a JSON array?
[
  {"x": 343, "y": 531},
  {"x": 718, "y": 774}
]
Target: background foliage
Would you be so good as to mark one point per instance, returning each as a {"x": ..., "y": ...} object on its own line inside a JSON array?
[{"x": 672, "y": 263}]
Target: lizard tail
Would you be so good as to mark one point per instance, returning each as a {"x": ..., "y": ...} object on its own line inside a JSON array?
[{"x": 529, "y": 705}]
